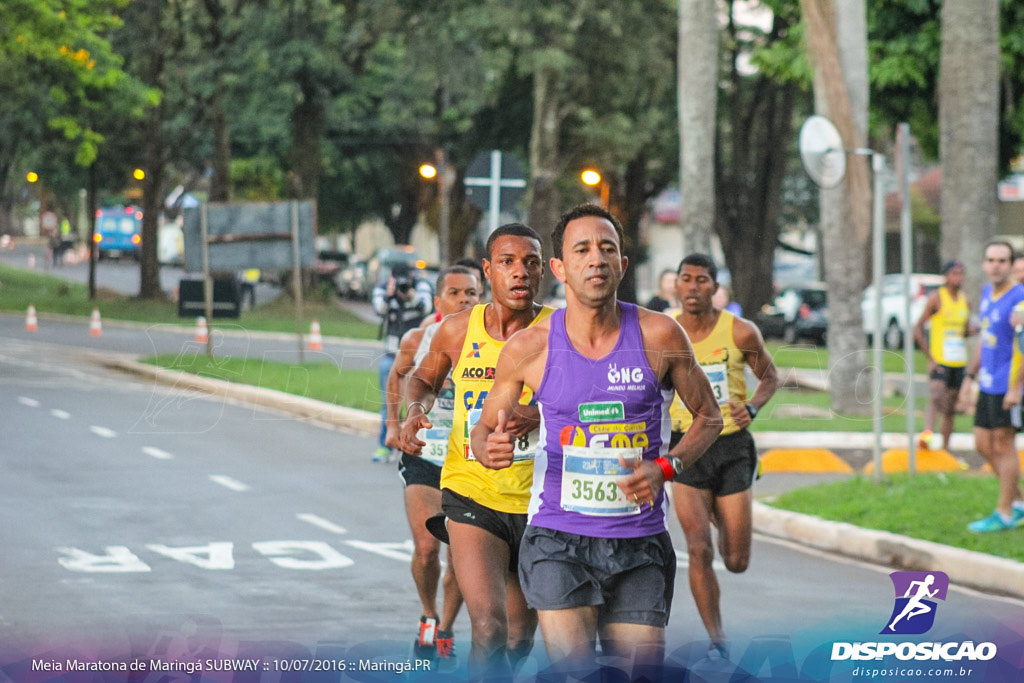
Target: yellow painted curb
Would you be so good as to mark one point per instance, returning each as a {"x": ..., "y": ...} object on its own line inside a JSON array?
[
  {"x": 803, "y": 460},
  {"x": 897, "y": 459},
  {"x": 988, "y": 468}
]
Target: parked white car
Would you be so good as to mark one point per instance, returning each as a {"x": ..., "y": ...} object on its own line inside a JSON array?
[{"x": 894, "y": 326}]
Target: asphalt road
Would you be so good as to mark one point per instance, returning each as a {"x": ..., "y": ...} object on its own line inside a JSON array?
[{"x": 138, "y": 519}]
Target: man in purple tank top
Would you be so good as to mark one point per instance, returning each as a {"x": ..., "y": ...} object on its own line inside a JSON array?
[{"x": 596, "y": 560}]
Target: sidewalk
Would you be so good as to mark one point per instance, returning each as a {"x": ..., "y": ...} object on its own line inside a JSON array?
[{"x": 977, "y": 570}]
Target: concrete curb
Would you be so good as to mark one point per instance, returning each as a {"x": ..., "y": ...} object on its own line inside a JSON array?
[{"x": 965, "y": 567}]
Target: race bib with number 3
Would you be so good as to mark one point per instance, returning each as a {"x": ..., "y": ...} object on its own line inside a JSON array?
[{"x": 589, "y": 477}]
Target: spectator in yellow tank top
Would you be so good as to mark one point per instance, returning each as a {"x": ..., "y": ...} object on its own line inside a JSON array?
[{"x": 945, "y": 346}]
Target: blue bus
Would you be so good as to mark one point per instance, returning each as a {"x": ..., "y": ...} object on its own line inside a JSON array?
[{"x": 118, "y": 232}]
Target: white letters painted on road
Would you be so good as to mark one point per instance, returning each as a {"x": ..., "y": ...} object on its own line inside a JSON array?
[
  {"x": 118, "y": 559},
  {"x": 209, "y": 556},
  {"x": 329, "y": 557}
]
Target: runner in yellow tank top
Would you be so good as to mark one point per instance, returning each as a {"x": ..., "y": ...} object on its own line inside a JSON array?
[
  {"x": 717, "y": 488},
  {"x": 485, "y": 510},
  {"x": 945, "y": 345},
  {"x": 505, "y": 490},
  {"x": 723, "y": 362}
]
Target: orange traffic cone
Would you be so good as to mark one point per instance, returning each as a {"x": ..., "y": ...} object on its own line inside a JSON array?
[
  {"x": 95, "y": 325},
  {"x": 31, "y": 322},
  {"x": 201, "y": 331},
  {"x": 316, "y": 342}
]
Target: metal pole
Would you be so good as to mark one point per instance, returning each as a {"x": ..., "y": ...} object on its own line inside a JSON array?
[
  {"x": 207, "y": 279},
  {"x": 443, "y": 186},
  {"x": 297, "y": 277},
  {"x": 907, "y": 262},
  {"x": 494, "y": 192},
  {"x": 878, "y": 270}
]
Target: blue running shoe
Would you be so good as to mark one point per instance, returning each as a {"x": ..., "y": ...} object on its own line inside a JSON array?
[
  {"x": 382, "y": 454},
  {"x": 993, "y": 522}
]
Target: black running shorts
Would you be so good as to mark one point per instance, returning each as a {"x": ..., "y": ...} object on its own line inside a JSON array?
[
  {"x": 728, "y": 466},
  {"x": 989, "y": 412},
  {"x": 629, "y": 580},
  {"x": 507, "y": 526},
  {"x": 415, "y": 470}
]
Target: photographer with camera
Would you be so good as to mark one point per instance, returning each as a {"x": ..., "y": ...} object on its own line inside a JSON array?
[{"x": 401, "y": 301}]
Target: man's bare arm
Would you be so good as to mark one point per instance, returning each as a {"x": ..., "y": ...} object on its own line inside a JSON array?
[
  {"x": 400, "y": 369},
  {"x": 428, "y": 379},
  {"x": 748, "y": 338}
]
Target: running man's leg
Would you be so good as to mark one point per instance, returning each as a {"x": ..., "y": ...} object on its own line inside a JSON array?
[
  {"x": 733, "y": 514},
  {"x": 422, "y": 502},
  {"x": 481, "y": 569},
  {"x": 694, "y": 509},
  {"x": 998, "y": 448},
  {"x": 451, "y": 603},
  {"x": 948, "y": 410},
  {"x": 936, "y": 391}
]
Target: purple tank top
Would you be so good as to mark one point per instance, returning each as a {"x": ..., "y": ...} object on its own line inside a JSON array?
[{"x": 591, "y": 411}]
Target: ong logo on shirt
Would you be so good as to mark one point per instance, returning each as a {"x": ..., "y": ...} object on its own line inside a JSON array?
[{"x": 626, "y": 375}]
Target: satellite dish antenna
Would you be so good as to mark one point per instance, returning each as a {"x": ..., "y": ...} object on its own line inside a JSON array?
[{"x": 822, "y": 152}]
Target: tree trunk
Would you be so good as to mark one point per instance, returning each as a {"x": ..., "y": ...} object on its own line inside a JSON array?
[
  {"x": 968, "y": 125},
  {"x": 698, "y": 92},
  {"x": 749, "y": 177},
  {"x": 837, "y": 43},
  {"x": 307, "y": 129},
  {"x": 149, "y": 268},
  {"x": 545, "y": 165},
  {"x": 220, "y": 184}
]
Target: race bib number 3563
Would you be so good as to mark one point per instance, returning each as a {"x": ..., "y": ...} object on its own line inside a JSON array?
[{"x": 589, "y": 477}]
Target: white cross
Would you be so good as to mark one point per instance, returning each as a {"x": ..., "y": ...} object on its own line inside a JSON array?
[{"x": 494, "y": 182}]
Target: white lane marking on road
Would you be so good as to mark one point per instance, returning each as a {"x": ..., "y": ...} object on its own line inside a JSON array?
[
  {"x": 393, "y": 551},
  {"x": 157, "y": 453},
  {"x": 60, "y": 414},
  {"x": 683, "y": 561},
  {"x": 30, "y": 402},
  {"x": 228, "y": 482},
  {"x": 321, "y": 522},
  {"x": 103, "y": 431}
]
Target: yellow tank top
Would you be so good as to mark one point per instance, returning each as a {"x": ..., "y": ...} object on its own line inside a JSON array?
[
  {"x": 723, "y": 363},
  {"x": 947, "y": 341},
  {"x": 506, "y": 490}
]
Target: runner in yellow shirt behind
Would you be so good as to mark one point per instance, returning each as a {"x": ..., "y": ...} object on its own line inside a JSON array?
[{"x": 945, "y": 346}]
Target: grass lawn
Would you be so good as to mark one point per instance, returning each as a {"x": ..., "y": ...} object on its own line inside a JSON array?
[
  {"x": 811, "y": 357},
  {"x": 318, "y": 381},
  {"x": 932, "y": 507},
  {"x": 805, "y": 410},
  {"x": 20, "y": 288}
]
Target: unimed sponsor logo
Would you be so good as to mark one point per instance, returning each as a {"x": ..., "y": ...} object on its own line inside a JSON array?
[{"x": 601, "y": 412}]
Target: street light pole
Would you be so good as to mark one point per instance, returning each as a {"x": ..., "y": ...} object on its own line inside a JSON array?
[{"x": 444, "y": 185}]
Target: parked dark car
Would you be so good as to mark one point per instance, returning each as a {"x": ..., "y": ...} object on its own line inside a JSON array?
[{"x": 797, "y": 312}]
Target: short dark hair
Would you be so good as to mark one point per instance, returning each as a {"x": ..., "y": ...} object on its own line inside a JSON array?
[
  {"x": 474, "y": 264},
  {"x": 454, "y": 269},
  {"x": 701, "y": 261},
  {"x": 1001, "y": 243},
  {"x": 581, "y": 211},
  {"x": 513, "y": 229}
]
